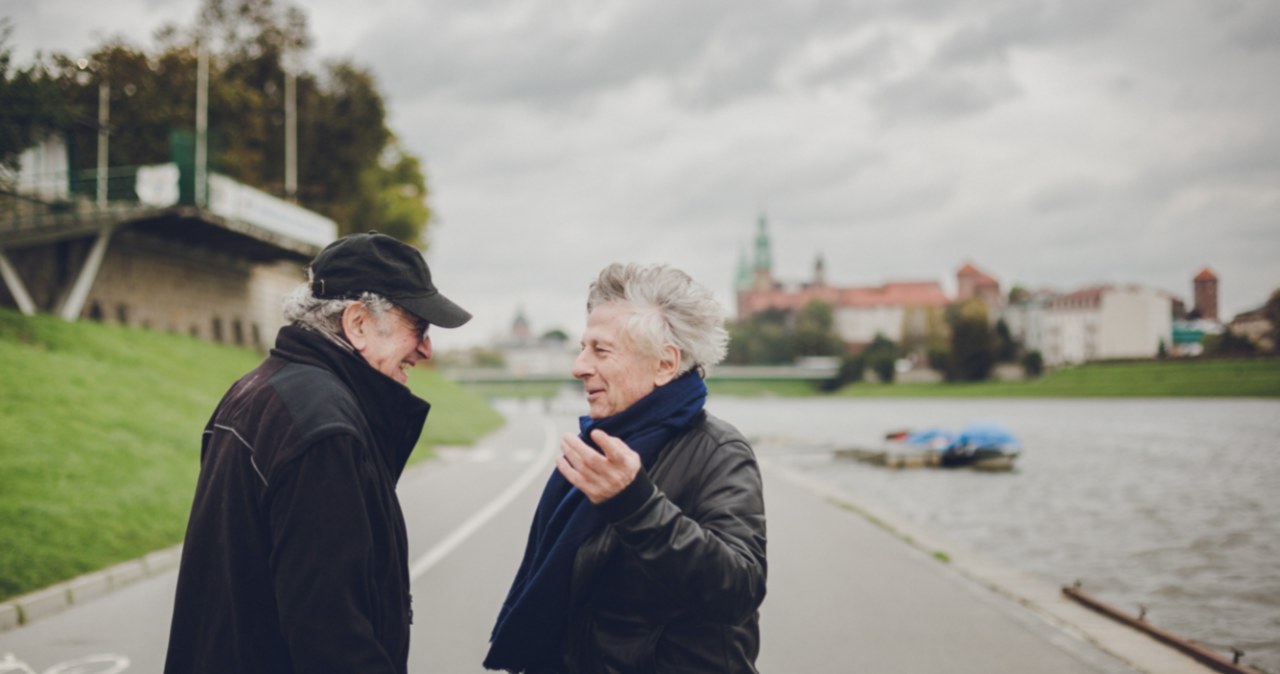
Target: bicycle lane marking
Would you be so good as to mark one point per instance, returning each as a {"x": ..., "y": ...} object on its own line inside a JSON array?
[
  {"x": 482, "y": 516},
  {"x": 115, "y": 664}
]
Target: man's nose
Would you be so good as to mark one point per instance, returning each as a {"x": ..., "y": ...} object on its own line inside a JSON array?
[
  {"x": 424, "y": 347},
  {"x": 580, "y": 366}
]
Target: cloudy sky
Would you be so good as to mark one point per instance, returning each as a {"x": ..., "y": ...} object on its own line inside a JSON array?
[{"x": 1052, "y": 143}]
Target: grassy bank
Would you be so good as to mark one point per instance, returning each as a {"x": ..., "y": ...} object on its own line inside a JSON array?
[
  {"x": 1227, "y": 378},
  {"x": 1244, "y": 378},
  {"x": 99, "y": 440}
]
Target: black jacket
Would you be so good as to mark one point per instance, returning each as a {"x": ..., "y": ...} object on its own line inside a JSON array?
[
  {"x": 673, "y": 583},
  {"x": 296, "y": 557}
]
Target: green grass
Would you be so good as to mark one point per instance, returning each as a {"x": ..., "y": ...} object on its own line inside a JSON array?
[
  {"x": 1242, "y": 378},
  {"x": 757, "y": 388},
  {"x": 99, "y": 440}
]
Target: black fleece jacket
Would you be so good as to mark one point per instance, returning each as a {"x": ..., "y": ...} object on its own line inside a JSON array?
[{"x": 296, "y": 557}]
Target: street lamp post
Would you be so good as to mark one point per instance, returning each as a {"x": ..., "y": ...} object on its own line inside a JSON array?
[
  {"x": 104, "y": 117},
  {"x": 202, "y": 124}
]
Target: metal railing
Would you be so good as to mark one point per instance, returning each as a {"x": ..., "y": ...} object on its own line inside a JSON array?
[{"x": 37, "y": 201}]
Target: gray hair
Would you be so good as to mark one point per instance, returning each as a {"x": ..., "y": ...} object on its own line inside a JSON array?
[
  {"x": 667, "y": 307},
  {"x": 303, "y": 309}
]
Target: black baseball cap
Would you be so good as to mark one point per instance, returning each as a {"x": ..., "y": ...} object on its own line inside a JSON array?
[{"x": 377, "y": 263}]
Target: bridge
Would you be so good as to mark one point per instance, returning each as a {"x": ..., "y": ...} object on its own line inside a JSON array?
[
  {"x": 807, "y": 373},
  {"x": 140, "y": 245}
]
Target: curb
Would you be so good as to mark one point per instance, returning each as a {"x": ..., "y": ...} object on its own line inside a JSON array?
[{"x": 19, "y": 611}]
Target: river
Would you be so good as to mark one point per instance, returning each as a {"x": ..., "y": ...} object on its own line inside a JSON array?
[{"x": 1170, "y": 504}]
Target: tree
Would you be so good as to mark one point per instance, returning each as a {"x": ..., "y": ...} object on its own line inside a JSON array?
[
  {"x": 1006, "y": 347},
  {"x": 350, "y": 167},
  {"x": 762, "y": 339},
  {"x": 939, "y": 359},
  {"x": 31, "y": 104},
  {"x": 1228, "y": 344},
  {"x": 1272, "y": 311},
  {"x": 881, "y": 355},
  {"x": 1033, "y": 364},
  {"x": 973, "y": 349},
  {"x": 852, "y": 369},
  {"x": 556, "y": 334},
  {"x": 814, "y": 331}
]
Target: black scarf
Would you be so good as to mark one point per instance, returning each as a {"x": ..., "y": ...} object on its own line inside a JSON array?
[{"x": 530, "y": 629}]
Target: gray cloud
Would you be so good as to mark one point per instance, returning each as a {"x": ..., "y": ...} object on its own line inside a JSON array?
[{"x": 1050, "y": 142}]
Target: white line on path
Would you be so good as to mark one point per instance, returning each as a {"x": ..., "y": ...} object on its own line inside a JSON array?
[{"x": 455, "y": 538}]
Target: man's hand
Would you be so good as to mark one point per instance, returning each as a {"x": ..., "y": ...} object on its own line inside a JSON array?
[{"x": 598, "y": 476}]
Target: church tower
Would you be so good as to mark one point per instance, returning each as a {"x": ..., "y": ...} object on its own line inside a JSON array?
[
  {"x": 1206, "y": 292},
  {"x": 763, "y": 268},
  {"x": 743, "y": 280}
]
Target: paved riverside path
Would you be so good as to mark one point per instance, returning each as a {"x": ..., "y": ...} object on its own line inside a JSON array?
[{"x": 844, "y": 595}]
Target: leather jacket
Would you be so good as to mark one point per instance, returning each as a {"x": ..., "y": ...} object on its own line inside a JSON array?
[{"x": 675, "y": 580}]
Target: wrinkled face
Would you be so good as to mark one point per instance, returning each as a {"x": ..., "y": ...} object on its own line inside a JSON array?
[
  {"x": 613, "y": 372},
  {"x": 395, "y": 345}
]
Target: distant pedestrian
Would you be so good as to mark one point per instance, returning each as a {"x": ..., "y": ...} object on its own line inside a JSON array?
[
  {"x": 296, "y": 557},
  {"x": 647, "y": 549}
]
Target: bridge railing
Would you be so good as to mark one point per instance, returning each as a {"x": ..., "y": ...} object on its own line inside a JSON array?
[{"x": 32, "y": 201}]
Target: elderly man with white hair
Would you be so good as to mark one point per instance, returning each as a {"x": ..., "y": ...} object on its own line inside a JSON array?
[{"x": 647, "y": 549}]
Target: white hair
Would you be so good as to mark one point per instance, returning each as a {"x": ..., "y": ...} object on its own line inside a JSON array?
[
  {"x": 303, "y": 309},
  {"x": 666, "y": 307}
]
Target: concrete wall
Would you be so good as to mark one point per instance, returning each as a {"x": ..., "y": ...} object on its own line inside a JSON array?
[
  {"x": 268, "y": 286},
  {"x": 1125, "y": 323},
  {"x": 861, "y": 324},
  {"x": 1070, "y": 335},
  {"x": 164, "y": 285},
  {"x": 1133, "y": 322}
]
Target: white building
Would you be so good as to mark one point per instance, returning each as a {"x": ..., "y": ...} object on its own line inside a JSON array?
[{"x": 1101, "y": 323}]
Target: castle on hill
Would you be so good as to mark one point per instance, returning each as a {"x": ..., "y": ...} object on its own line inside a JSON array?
[{"x": 1105, "y": 321}]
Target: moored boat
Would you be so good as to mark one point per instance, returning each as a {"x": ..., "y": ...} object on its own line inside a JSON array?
[
  {"x": 984, "y": 445},
  {"x": 981, "y": 446}
]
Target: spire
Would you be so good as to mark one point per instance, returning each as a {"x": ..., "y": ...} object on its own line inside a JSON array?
[
  {"x": 762, "y": 275},
  {"x": 743, "y": 282},
  {"x": 764, "y": 257}
]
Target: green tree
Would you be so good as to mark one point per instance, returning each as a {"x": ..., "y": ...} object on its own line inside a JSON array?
[
  {"x": 763, "y": 339},
  {"x": 939, "y": 359},
  {"x": 556, "y": 334},
  {"x": 881, "y": 355},
  {"x": 973, "y": 347},
  {"x": 1272, "y": 311},
  {"x": 1033, "y": 364},
  {"x": 1006, "y": 347},
  {"x": 852, "y": 370},
  {"x": 815, "y": 332},
  {"x": 350, "y": 167},
  {"x": 1228, "y": 344},
  {"x": 31, "y": 104}
]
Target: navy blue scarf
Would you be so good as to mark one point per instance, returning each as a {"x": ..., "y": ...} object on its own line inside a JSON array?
[{"x": 529, "y": 633}]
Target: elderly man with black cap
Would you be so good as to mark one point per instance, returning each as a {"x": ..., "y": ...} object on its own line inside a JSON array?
[{"x": 296, "y": 557}]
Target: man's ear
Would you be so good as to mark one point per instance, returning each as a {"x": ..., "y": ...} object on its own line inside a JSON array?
[
  {"x": 356, "y": 324},
  {"x": 668, "y": 365}
]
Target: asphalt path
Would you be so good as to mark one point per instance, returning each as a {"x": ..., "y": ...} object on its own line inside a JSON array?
[{"x": 844, "y": 594}]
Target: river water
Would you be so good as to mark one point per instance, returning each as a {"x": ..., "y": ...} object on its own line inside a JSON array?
[{"x": 1171, "y": 504}]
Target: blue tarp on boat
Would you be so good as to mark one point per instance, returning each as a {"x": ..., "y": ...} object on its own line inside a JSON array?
[{"x": 987, "y": 434}]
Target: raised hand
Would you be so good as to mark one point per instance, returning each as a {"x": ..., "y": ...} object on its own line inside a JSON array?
[{"x": 599, "y": 476}]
